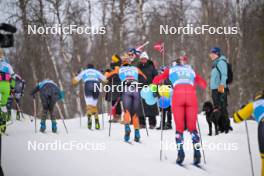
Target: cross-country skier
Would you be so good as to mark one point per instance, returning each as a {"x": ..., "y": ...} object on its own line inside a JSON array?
[
  {"x": 49, "y": 95},
  {"x": 129, "y": 76},
  {"x": 254, "y": 110},
  {"x": 16, "y": 95},
  {"x": 6, "y": 84},
  {"x": 184, "y": 104},
  {"x": 91, "y": 79}
]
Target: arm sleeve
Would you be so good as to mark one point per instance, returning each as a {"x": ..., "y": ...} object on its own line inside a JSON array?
[
  {"x": 200, "y": 81},
  {"x": 244, "y": 113},
  {"x": 222, "y": 65},
  {"x": 111, "y": 73},
  {"x": 161, "y": 77},
  {"x": 101, "y": 76}
]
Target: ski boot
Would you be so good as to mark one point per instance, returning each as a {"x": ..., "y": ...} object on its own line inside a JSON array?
[
  {"x": 168, "y": 126},
  {"x": 4, "y": 117},
  {"x": 54, "y": 126},
  {"x": 127, "y": 133},
  {"x": 159, "y": 128},
  {"x": 18, "y": 115},
  {"x": 89, "y": 123},
  {"x": 8, "y": 115},
  {"x": 42, "y": 126},
  {"x": 97, "y": 124},
  {"x": 179, "y": 142},
  {"x": 137, "y": 135},
  {"x": 2, "y": 123},
  {"x": 196, "y": 147}
]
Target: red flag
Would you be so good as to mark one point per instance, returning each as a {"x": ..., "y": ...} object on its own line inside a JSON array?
[{"x": 159, "y": 47}]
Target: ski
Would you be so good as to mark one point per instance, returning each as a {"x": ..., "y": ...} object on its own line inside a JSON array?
[
  {"x": 182, "y": 165},
  {"x": 139, "y": 142},
  {"x": 129, "y": 142},
  {"x": 199, "y": 167}
]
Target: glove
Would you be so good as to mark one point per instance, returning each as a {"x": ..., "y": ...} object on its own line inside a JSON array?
[{"x": 221, "y": 89}]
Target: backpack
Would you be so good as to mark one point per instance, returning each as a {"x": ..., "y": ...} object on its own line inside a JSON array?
[{"x": 229, "y": 72}]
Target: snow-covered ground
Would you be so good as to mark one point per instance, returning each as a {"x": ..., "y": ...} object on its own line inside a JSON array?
[{"x": 99, "y": 154}]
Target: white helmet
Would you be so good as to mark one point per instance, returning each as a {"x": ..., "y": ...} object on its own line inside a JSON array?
[{"x": 144, "y": 55}]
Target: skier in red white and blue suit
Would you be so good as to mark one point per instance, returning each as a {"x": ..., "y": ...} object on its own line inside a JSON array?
[{"x": 184, "y": 104}]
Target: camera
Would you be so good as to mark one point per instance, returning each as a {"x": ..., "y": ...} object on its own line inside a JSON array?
[{"x": 7, "y": 35}]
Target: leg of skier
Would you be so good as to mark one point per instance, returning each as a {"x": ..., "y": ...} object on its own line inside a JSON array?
[
  {"x": 52, "y": 103},
  {"x": 191, "y": 120},
  {"x": 178, "y": 113},
  {"x": 127, "y": 104},
  {"x": 136, "y": 108},
  {"x": 45, "y": 109}
]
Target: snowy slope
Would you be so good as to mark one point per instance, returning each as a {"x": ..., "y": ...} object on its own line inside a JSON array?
[{"x": 116, "y": 158}]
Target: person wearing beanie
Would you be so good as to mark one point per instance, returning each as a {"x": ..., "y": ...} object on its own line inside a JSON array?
[
  {"x": 218, "y": 85},
  {"x": 151, "y": 111}
]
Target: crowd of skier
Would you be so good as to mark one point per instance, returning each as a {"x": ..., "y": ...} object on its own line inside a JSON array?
[{"x": 131, "y": 69}]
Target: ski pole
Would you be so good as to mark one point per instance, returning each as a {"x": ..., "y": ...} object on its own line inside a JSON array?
[
  {"x": 35, "y": 114},
  {"x": 161, "y": 133},
  {"x": 62, "y": 118},
  {"x": 249, "y": 149},
  {"x": 110, "y": 120},
  {"x": 102, "y": 112},
  {"x": 143, "y": 110},
  {"x": 201, "y": 140},
  {"x": 20, "y": 111}
]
